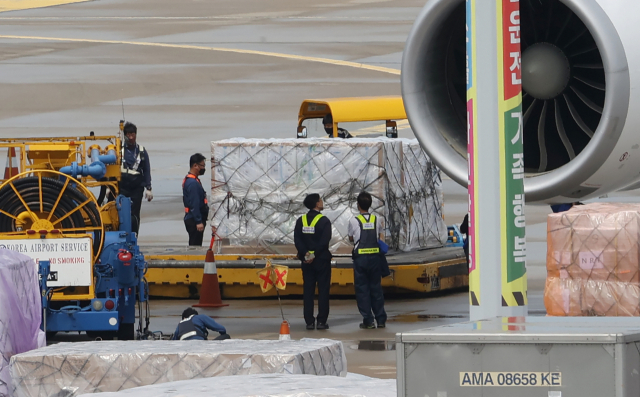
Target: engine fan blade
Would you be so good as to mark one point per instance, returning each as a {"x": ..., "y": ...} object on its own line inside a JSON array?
[
  {"x": 586, "y": 100},
  {"x": 576, "y": 117},
  {"x": 541, "y": 141},
  {"x": 561, "y": 132}
]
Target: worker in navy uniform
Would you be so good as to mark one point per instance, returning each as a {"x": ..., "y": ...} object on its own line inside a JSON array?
[
  {"x": 327, "y": 120},
  {"x": 364, "y": 231},
  {"x": 464, "y": 229},
  {"x": 195, "y": 326},
  {"x": 194, "y": 197},
  {"x": 135, "y": 174},
  {"x": 311, "y": 237}
]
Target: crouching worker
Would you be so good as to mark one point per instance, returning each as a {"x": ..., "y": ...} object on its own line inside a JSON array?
[{"x": 195, "y": 326}]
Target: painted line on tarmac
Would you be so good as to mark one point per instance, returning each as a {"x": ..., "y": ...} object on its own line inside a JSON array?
[
  {"x": 208, "y": 18},
  {"x": 16, "y": 5},
  {"x": 220, "y": 49}
]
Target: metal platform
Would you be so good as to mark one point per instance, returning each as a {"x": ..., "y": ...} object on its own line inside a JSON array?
[
  {"x": 522, "y": 356},
  {"x": 176, "y": 272}
]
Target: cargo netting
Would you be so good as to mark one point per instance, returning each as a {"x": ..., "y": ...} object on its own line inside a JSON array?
[
  {"x": 258, "y": 186},
  {"x": 592, "y": 261},
  {"x": 71, "y": 369},
  {"x": 267, "y": 385}
]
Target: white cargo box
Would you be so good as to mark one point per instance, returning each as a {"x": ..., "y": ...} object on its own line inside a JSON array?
[
  {"x": 522, "y": 356},
  {"x": 71, "y": 369},
  {"x": 266, "y": 385},
  {"x": 258, "y": 186}
]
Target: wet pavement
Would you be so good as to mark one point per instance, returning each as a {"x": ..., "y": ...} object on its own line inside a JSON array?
[
  {"x": 189, "y": 72},
  {"x": 369, "y": 352}
]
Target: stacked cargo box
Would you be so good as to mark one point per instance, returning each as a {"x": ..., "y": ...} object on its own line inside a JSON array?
[
  {"x": 593, "y": 261},
  {"x": 258, "y": 186},
  {"x": 71, "y": 369}
]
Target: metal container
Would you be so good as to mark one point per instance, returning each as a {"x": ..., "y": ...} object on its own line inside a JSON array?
[{"x": 522, "y": 356}]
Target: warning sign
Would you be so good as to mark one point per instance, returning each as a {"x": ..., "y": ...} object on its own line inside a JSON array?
[{"x": 70, "y": 258}]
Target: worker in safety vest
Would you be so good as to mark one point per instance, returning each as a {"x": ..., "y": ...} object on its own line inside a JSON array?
[
  {"x": 194, "y": 326},
  {"x": 196, "y": 207},
  {"x": 364, "y": 231},
  {"x": 135, "y": 174},
  {"x": 311, "y": 236}
]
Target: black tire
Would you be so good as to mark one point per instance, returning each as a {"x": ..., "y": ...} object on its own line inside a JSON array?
[{"x": 126, "y": 331}]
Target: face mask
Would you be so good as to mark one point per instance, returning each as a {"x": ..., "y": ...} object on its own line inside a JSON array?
[
  {"x": 202, "y": 170},
  {"x": 329, "y": 131}
]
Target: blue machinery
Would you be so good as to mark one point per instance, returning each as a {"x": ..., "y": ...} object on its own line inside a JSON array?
[
  {"x": 120, "y": 284},
  {"x": 91, "y": 268},
  {"x": 454, "y": 237}
]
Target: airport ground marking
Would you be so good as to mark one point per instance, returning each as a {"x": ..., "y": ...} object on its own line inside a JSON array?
[
  {"x": 336, "y": 62},
  {"x": 17, "y": 5}
]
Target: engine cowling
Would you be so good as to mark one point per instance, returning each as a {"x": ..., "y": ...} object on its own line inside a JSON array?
[{"x": 580, "y": 77}]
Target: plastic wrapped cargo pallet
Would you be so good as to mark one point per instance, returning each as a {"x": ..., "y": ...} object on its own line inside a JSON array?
[
  {"x": 420, "y": 199},
  {"x": 593, "y": 261},
  {"x": 20, "y": 311},
  {"x": 258, "y": 186},
  {"x": 269, "y": 385},
  {"x": 89, "y": 367}
]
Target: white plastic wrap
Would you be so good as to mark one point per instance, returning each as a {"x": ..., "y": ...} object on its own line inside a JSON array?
[
  {"x": 258, "y": 186},
  {"x": 20, "y": 311},
  {"x": 420, "y": 200},
  {"x": 269, "y": 385},
  {"x": 92, "y": 367}
]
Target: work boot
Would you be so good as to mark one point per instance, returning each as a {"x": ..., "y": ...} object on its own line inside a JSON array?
[
  {"x": 322, "y": 326},
  {"x": 311, "y": 326},
  {"x": 367, "y": 326},
  {"x": 382, "y": 325}
]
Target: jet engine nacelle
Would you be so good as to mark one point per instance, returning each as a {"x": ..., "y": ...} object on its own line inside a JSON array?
[{"x": 581, "y": 105}]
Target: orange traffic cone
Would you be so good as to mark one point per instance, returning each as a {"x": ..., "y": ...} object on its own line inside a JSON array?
[
  {"x": 284, "y": 331},
  {"x": 12, "y": 164},
  {"x": 210, "y": 290}
]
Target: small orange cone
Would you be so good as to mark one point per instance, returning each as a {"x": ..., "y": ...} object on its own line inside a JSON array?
[
  {"x": 12, "y": 164},
  {"x": 284, "y": 331},
  {"x": 210, "y": 289}
]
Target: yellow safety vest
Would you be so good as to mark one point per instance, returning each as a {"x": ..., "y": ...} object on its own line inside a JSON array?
[
  {"x": 310, "y": 228},
  {"x": 368, "y": 240}
]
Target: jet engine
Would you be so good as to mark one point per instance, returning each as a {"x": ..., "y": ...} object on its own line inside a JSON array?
[{"x": 580, "y": 79}]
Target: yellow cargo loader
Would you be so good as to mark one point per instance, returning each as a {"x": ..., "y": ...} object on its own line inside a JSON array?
[{"x": 177, "y": 272}]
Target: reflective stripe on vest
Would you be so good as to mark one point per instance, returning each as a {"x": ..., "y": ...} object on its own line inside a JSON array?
[
  {"x": 187, "y": 329},
  {"x": 368, "y": 243},
  {"x": 134, "y": 169},
  {"x": 186, "y": 209},
  {"x": 310, "y": 228}
]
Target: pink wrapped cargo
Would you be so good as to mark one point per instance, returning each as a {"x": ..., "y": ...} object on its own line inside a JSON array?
[
  {"x": 592, "y": 261},
  {"x": 20, "y": 311}
]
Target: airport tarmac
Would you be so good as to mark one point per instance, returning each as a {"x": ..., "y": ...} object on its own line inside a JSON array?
[
  {"x": 188, "y": 72},
  {"x": 368, "y": 352}
]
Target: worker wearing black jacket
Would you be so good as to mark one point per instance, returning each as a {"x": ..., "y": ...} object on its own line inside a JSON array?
[
  {"x": 311, "y": 236},
  {"x": 194, "y": 198},
  {"x": 135, "y": 174}
]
